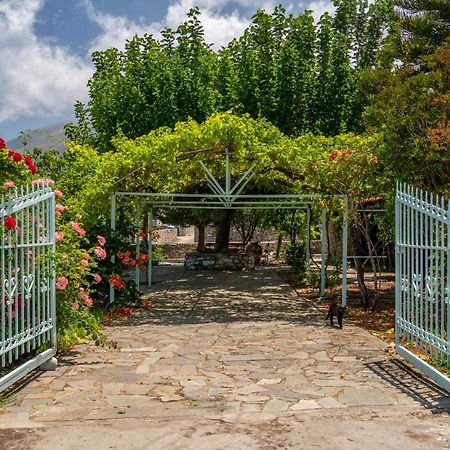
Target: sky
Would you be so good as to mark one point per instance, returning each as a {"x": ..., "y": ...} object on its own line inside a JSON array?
[{"x": 46, "y": 45}]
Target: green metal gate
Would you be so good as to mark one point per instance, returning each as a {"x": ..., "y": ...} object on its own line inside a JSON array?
[
  {"x": 27, "y": 285},
  {"x": 422, "y": 320}
]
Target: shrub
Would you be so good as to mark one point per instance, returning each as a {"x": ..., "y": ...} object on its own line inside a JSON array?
[{"x": 295, "y": 256}]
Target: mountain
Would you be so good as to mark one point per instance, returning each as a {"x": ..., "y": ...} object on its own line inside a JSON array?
[{"x": 47, "y": 138}]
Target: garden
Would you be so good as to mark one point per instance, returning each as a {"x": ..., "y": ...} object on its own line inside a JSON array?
[{"x": 349, "y": 105}]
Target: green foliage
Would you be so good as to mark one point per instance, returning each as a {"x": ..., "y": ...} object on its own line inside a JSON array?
[
  {"x": 413, "y": 114},
  {"x": 295, "y": 256},
  {"x": 424, "y": 25},
  {"x": 299, "y": 75}
]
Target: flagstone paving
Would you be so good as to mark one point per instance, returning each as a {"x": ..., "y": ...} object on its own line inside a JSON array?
[{"x": 228, "y": 361}]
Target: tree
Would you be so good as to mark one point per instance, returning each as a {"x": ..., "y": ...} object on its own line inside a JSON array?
[
  {"x": 300, "y": 76},
  {"x": 424, "y": 25},
  {"x": 413, "y": 114}
]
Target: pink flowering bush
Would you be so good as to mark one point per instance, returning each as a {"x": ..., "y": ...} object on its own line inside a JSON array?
[{"x": 76, "y": 267}]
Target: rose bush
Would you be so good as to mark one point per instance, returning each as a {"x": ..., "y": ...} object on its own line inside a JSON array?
[{"x": 74, "y": 280}]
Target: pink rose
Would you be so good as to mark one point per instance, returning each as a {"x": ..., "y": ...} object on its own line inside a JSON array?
[
  {"x": 101, "y": 241},
  {"x": 84, "y": 262},
  {"x": 61, "y": 283},
  {"x": 97, "y": 278},
  {"x": 59, "y": 236},
  {"x": 61, "y": 208},
  {"x": 58, "y": 194},
  {"x": 100, "y": 253},
  {"x": 9, "y": 184},
  {"x": 76, "y": 227},
  {"x": 86, "y": 299},
  {"x": 75, "y": 305}
]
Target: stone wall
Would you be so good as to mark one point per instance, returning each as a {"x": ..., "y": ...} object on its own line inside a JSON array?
[{"x": 219, "y": 261}]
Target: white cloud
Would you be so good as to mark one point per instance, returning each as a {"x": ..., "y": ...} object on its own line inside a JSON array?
[
  {"x": 115, "y": 29},
  {"x": 319, "y": 7},
  {"x": 37, "y": 77},
  {"x": 219, "y": 28},
  {"x": 41, "y": 78}
]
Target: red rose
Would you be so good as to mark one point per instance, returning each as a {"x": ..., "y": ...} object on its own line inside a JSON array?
[
  {"x": 10, "y": 223},
  {"x": 17, "y": 157},
  {"x": 2, "y": 143},
  {"x": 33, "y": 168},
  {"x": 28, "y": 160}
]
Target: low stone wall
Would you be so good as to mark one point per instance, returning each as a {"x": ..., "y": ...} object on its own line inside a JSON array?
[
  {"x": 177, "y": 250},
  {"x": 219, "y": 261}
]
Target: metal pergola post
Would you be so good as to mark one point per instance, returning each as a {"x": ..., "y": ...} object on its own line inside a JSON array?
[
  {"x": 150, "y": 247},
  {"x": 113, "y": 256},
  {"x": 137, "y": 275},
  {"x": 344, "y": 252},
  {"x": 231, "y": 199},
  {"x": 324, "y": 253},
  {"x": 308, "y": 234}
]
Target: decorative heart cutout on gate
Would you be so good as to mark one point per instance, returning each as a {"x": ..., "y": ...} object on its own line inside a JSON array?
[
  {"x": 44, "y": 286},
  {"x": 10, "y": 287},
  {"x": 28, "y": 283}
]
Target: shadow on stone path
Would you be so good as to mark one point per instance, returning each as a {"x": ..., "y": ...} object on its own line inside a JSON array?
[
  {"x": 228, "y": 361},
  {"x": 181, "y": 297}
]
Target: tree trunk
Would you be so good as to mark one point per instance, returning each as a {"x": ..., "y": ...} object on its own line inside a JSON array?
[
  {"x": 201, "y": 237},
  {"x": 357, "y": 240},
  {"x": 223, "y": 228},
  {"x": 278, "y": 250}
]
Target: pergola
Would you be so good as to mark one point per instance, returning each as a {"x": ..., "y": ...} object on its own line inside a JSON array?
[{"x": 231, "y": 197}]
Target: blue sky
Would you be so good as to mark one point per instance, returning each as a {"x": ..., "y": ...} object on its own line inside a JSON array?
[{"x": 45, "y": 45}]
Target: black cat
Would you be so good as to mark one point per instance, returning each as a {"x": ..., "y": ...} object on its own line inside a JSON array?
[{"x": 338, "y": 311}]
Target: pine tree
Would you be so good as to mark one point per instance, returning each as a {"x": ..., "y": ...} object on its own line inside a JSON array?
[{"x": 425, "y": 26}]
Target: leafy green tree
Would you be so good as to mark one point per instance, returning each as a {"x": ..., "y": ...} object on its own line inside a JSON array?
[
  {"x": 300, "y": 76},
  {"x": 413, "y": 114}
]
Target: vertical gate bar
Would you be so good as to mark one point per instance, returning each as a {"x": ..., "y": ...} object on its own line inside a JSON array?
[
  {"x": 397, "y": 264},
  {"x": 37, "y": 318},
  {"x": 408, "y": 260},
  {"x": 50, "y": 255},
  {"x": 403, "y": 260},
  {"x": 23, "y": 274},
  {"x": 137, "y": 273},
  {"x": 44, "y": 268},
  {"x": 324, "y": 253},
  {"x": 53, "y": 337},
  {"x": 9, "y": 278},
  {"x": 18, "y": 284},
  {"x": 416, "y": 266},
  {"x": 426, "y": 269},
  {"x": 29, "y": 271},
  {"x": 421, "y": 256},
  {"x": 431, "y": 279},
  {"x": 35, "y": 253},
  {"x": 113, "y": 256},
  {"x": 344, "y": 252},
  {"x": 436, "y": 283},
  {"x": 2, "y": 282},
  {"x": 448, "y": 283},
  {"x": 308, "y": 234},
  {"x": 441, "y": 290},
  {"x": 150, "y": 247}
]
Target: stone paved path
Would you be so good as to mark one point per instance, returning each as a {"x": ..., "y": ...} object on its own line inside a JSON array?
[{"x": 228, "y": 361}]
